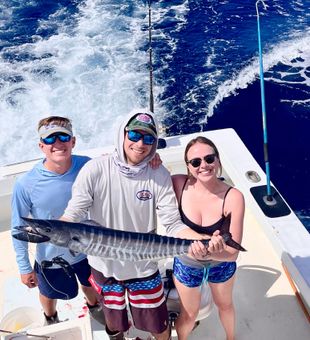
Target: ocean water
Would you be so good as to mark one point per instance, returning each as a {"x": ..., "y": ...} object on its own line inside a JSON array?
[{"x": 88, "y": 60}]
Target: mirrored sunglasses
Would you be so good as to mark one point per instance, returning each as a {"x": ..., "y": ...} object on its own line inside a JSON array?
[
  {"x": 62, "y": 137},
  {"x": 196, "y": 162},
  {"x": 135, "y": 136}
]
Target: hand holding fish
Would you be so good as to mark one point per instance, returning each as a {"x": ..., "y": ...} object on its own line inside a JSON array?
[
  {"x": 197, "y": 250},
  {"x": 216, "y": 245}
]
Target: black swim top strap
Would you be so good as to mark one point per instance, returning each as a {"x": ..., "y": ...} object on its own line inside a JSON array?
[
  {"x": 224, "y": 199},
  {"x": 180, "y": 201}
]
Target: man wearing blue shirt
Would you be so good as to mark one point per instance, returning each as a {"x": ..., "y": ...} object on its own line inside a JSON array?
[{"x": 43, "y": 193}]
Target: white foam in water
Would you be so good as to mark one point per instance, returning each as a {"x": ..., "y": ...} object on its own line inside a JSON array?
[
  {"x": 284, "y": 52},
  {"x": 94, "y": 76},
  {"x": 95, "y": 69}
]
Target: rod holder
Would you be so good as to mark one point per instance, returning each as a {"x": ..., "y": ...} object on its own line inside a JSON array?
[{"x": 276, "y": 207}]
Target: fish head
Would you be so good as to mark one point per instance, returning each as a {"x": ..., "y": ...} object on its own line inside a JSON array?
[
  {"x": 38, "y": 231},
  {"x": 31, "y": 234}
]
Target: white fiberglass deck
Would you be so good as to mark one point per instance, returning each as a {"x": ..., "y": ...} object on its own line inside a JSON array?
[{"x": 266, "y": 306}]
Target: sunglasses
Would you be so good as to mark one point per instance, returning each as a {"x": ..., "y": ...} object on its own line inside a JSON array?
[
  {"x": 135, "y": 136},
  {"x": 62, "y": 137},
  {"x": 195, "y": 162}
]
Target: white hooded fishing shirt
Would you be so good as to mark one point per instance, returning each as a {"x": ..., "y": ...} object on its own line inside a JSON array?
[{"x": 124, "y": 197}]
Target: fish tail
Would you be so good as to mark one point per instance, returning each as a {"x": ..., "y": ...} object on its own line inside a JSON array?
[
  {"x": 224, "y": 231},
  {"x": 225, "y": 225},
  {"x": 231, "y": 243}
]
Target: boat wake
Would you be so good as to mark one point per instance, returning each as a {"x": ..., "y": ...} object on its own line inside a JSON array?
[{"x": 285, "y": 64}]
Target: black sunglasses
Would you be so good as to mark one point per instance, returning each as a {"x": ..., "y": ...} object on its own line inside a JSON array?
[
  {"x": 62, "y": 137},
  {"x": 195, "y": 162}
]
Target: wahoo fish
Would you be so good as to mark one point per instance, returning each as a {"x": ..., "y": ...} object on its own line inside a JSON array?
[{"x": 109, "y": 243}]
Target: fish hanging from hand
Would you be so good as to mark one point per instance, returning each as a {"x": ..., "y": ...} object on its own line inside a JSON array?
[{"x": 109, "y": 243}]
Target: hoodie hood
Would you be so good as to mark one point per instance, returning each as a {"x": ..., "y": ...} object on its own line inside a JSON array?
[{"x": 120, "y": 136}]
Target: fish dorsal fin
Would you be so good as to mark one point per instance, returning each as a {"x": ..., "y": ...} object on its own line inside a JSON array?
[{"x": 92, "y": 223}]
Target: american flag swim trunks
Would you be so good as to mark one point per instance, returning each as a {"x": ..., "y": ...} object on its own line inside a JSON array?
[{"x": 146, "y": 299}]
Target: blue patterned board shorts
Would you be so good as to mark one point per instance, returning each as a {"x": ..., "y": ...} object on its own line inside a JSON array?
[{"x": 194, "y": 277}]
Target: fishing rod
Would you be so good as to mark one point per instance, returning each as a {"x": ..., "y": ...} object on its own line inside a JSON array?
[
  {"x": 25, "y": 333},
  {"x": 269, "y": 197},
  {"x": 151, "y": 57},
  {"x": 271, "y": 204},
  {"x": 161, "y": 141}
]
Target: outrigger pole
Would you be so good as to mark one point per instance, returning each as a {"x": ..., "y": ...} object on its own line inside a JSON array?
[
  {"x": 271, "y": 204},
  {"x": 150, "y": 58},
  {"x": 269, "y": 197}
]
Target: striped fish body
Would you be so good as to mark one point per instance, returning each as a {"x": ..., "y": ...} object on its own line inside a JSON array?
[
  {"x": 122, "y": 245},
  {"x": 102, "y": 242}
]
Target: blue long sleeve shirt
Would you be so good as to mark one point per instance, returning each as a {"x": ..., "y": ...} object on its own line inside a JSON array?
[{"x": 43, "y": 194}]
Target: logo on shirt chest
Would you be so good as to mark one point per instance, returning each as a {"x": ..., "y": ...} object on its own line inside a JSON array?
[{"x": 144, "y": 195}]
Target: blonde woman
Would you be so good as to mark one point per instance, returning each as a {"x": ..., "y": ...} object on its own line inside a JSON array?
[{"x": 205, "y": 203}]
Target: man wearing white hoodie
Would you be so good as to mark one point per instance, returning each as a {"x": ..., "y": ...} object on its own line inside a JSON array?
[{"x": 122, "y": 191}]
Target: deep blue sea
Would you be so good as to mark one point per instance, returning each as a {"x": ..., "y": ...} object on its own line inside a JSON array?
[{"x": 88, "y": 60}]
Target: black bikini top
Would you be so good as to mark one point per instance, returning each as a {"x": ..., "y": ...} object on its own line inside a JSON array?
[{"x": 203, "y": 229}]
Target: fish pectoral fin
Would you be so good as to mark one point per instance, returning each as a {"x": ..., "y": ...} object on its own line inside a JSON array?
[{"x": 74, "y": 245}]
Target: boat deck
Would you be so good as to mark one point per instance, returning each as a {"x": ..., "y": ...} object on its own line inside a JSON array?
[{"x": 266, "y": 307}]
